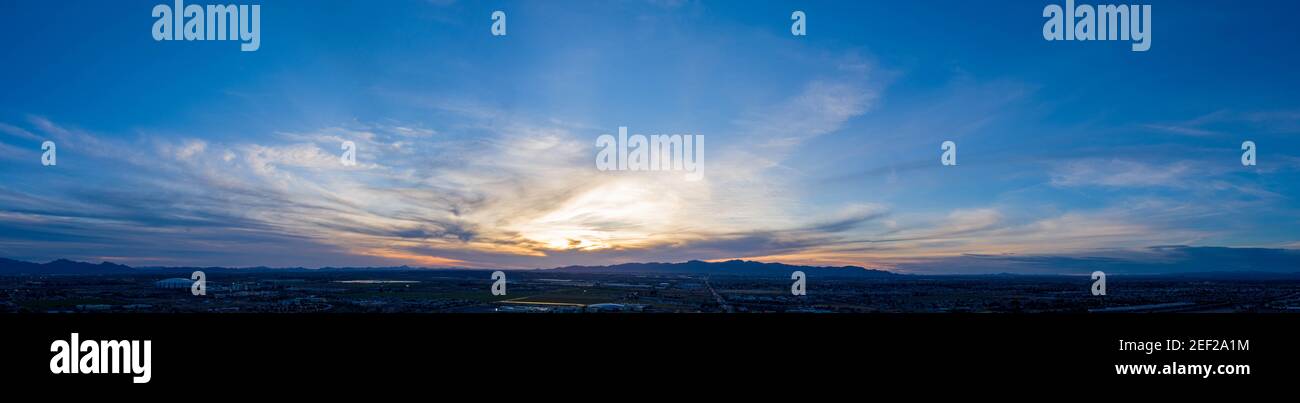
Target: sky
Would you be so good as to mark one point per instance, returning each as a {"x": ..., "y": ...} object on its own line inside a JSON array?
[{"x": 476, "y": 150}]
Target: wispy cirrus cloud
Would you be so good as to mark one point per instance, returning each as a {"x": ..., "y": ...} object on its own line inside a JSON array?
[
  {"x": 1229, "y": 122},
  {"x": 1121, "y": 173}
]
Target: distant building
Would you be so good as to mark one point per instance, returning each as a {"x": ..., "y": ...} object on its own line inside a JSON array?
[
  {"x": 174, "y": 283},
  {"x": 604, "y": 308},
  {"x": 609, "y": 307}
]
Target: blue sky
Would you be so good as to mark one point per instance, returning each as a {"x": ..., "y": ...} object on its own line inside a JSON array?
[{"x": 477, "y": 150}]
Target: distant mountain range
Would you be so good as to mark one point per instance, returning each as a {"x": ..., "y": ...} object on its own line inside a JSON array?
[
  {"x": 730, "y": 267},
  {"x": 61, "y": 266},
  {"x": 65, "y": 266}
]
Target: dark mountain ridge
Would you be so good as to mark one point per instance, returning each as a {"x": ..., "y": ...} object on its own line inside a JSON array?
[{"x": 730, "y": 267}]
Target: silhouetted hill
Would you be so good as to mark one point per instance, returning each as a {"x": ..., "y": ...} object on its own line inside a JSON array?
[
  {"x": 61, "y": 266},
  {"x": 65, "y": 266},
  {"x": 730, "y": 267}
]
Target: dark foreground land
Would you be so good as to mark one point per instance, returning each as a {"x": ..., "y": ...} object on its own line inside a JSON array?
[{"x": 557, "y": 291}]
